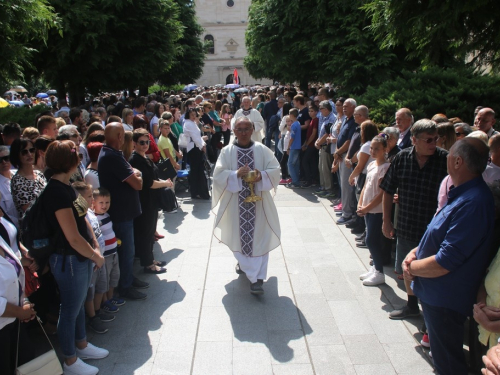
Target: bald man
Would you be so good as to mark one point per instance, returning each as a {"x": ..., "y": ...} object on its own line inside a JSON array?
[
  {"x": 246, "y": 110},
  {"x": 485, "y": 120},
  {"x": 123, "y": 183}
]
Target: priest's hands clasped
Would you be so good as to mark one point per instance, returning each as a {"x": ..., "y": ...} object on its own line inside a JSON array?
[{"x": 242, "y": 171}]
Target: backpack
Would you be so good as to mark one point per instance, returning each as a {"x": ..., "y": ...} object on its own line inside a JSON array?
[
  {"x": 273, "y": 123},
  {"x": 37, "y": 234}
]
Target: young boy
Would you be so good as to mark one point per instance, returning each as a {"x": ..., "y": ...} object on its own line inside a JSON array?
[
  {"x": 102, "y": 200},
  {"x": 98, "y": 284},
  {"x": 311, "y": 157},
  {"x": 293, "y": 150}
]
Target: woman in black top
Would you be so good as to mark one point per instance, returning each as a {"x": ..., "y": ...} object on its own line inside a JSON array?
[
  {"x": 74, "y": 258},
  {"x": 145, "y": 224}
]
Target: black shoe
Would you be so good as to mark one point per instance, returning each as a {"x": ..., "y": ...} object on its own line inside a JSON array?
[
  {"x": 361, "y": 245},
  {"x": 139, "y": 284},
  {"x": 353, "y": 223},
  {"x": 256, "y": 288},
  {"x": 357, "y": 230},
  {"x": 155, "y": 271},
  {"x": 96, "y": 325},
  {"x": 238, "y": 269},
  {"x": 134, "y": 295},
  {"x": 361, "y": 237},
  {"x": 404, "y": 313}
]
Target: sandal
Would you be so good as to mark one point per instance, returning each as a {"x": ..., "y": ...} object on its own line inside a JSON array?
[{"x": 159, "y": 263}]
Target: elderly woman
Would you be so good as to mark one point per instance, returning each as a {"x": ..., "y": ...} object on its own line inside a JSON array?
[
  {"x": 27, "y": 183},
  {"x": 145, "y": 224},
  {"x": 462, "y": 130},
  {"x": 6, "y": 201},
  {"x": 13, "y": 311},
  {"x": 73, "y": 261},
  {"x": 392, "y": 141},
  {"x": 196, "y": 148}
]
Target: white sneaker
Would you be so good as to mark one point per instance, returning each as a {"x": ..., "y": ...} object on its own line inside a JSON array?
[
  {"x": 79, "y": 368},
  {"x": 376, "y": 278},
  {"x": 91, "y": 352},
  {"x": 367, "y": 274}
]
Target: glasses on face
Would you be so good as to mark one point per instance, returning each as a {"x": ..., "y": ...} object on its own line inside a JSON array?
[
  {"x": 244, "y": 130},
  {"x": 28, "y": 150},
  {"x": 143, "y": 143},
  {"x": 459, "y": 134},
  {"x": 430, "y": 140},
  {"x": 5, "y": 158}
]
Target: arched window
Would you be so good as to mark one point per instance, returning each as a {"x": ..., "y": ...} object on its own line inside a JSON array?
[
  {"x": 209, "y": 44},
  {"x": 229, "y": 79}
]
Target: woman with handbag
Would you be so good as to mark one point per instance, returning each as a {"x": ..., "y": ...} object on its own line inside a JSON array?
[
  {"x": 73, "y": 259},
  {"x": 145, "y": 224},
  {"x": 13, "y": 312},
  {"x": 196, "y": 148}
]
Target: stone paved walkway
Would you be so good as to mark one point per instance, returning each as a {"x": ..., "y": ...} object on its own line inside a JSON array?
[{"x": 314, "y": 318}]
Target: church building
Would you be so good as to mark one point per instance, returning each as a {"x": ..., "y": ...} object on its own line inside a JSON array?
[{"x": 224, "y": 23}]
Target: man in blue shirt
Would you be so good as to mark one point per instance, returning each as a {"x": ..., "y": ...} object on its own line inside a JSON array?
[
  {"x": 343, "y": 141},
  {"x": 448, "y": 265},
  {"x": 294, "y": 147}
]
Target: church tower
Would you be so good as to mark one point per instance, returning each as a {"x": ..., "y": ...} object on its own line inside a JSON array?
[{"x": 224, "y": 23}]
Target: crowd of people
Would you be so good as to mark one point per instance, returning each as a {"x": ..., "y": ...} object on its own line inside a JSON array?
[{"x": 426, "y": 188}]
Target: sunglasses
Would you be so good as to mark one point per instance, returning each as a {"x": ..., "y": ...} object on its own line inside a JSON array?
[
  {"x": 5, "y": 158},
  {"x": 28, "y": 150},
  {"x": 429, "y": 140},
  {"x": 143, "y": 143}
]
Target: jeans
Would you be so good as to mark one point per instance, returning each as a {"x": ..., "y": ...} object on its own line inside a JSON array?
[
  {"x": 403, "y": 247},
  {"x": 125, "y": 232},
  {"x": 73, "y": 285},
  {"x": 294, "y": 166},
  {"x": 446, "y": 335},
  {"x": 374, "y": 239}
]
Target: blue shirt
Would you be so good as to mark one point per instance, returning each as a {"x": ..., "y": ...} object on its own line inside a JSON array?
[
  {"x": 295, "y": 135},
  {"x": 346, "y": 131},
  {"x": 459, "y": 236}
]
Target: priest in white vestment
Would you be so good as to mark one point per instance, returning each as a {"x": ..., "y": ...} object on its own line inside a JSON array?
[
  {"x": 250, "y": 230},
  {"x": 246, "y": 110}
]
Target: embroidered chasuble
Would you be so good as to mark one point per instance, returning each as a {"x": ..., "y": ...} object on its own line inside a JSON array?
[{"x": 251, "y": 229}]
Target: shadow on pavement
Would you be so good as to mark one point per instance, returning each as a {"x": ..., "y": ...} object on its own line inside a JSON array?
[{"x": 270, "y": 319}]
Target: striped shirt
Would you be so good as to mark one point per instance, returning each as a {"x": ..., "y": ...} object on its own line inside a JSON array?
[{"x": 110, "y": 244}]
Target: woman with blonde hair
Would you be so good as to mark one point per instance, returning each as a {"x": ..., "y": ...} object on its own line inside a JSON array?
[{"x": 446, "y": 135}]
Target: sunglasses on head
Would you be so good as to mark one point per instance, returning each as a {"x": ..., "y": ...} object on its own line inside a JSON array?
[
  {"x": 143, "y": 143},
  {"x": 5, "y": 158},
  {"x": 26, "y": 150}
]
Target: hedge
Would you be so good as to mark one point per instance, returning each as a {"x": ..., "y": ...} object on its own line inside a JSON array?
[
  {"x": 24, "y": 116},
  {"x": 455, "y": 93}
]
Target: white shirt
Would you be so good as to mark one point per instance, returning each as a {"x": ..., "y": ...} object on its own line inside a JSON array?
[
  {"x": 7, "y": 202},
  {"x": 402, "y": 135},
  {"x": 9, "y": 283},
  {"x": 491, "y": 173},
  {"x": 192, "y": 130}
]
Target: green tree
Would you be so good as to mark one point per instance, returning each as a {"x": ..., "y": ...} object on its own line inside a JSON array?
[
  {"x": 21, "y": 22},
  {"x": 323, "y": 40},
  {"x": 188, "y": 63},
  {"x": 442, "y": 33},
  {"x": 109, "y": 45}
]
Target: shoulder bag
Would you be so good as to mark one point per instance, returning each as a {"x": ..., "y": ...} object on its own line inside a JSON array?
[
  {"x": 46, "y": 364},
  {"x": 184, "y": 140},
  {"x": 166, "y": 170}
]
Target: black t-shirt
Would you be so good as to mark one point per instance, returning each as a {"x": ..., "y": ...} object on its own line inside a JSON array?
[
  {"x": 58, "y": 196},
  {"x": 207, "y": 120},
  {"x": 113, "y": 171},
  {"x": 147, "y": 167},
  {"x": 302, "y": 118}
]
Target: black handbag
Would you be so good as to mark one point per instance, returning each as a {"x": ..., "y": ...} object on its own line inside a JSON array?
[
  {"x": 166, "y": 199},
  {"x": 166, "y": 170}
]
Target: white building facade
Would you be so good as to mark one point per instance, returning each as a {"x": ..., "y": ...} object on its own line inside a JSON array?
[{"x": 224, "y": 23}]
